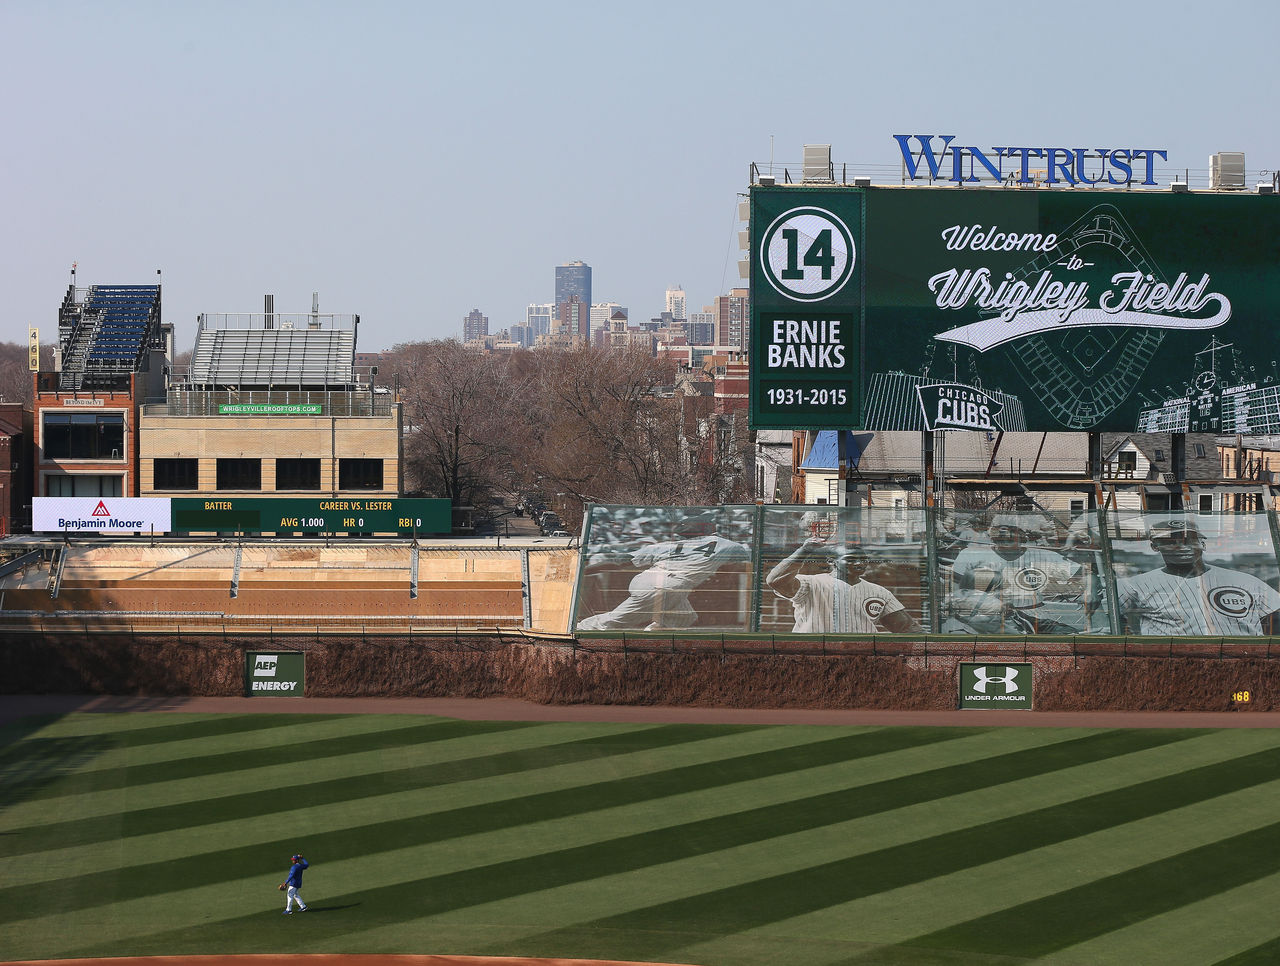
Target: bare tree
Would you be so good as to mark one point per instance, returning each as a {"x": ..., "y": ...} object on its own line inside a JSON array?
[
  {"x": 458, "y": 411},
  {"x": 15, "y": 375}
]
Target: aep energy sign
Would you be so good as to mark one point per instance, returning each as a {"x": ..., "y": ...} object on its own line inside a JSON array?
[{"x": 1006, "y": 309}]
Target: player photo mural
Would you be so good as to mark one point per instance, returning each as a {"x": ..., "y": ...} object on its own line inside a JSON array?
[
  {"x": 1184, "y": 576},
  {"x": 666, "y": 568},
  {"x": 843, "y": 571},
  {"x": 1007, "y": 572}
]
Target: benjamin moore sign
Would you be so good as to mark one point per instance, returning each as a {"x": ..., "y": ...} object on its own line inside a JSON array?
[
  {"x": 995, "y": 685},
  {"x": 274, "y": 673},
  {"x": 1006, "y": 309},
  {"x": 107, "y": 514}
]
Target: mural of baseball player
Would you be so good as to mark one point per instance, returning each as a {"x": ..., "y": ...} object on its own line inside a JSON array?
[
  {"x": 1012, "y": 587},
  {"x": 658, "y": 596},
  {"x": 838, "y": 600},
  {"x": 1187, "y": 596}
]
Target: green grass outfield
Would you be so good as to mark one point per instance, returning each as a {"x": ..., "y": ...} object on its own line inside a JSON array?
[{"x": 154, "y": 834}]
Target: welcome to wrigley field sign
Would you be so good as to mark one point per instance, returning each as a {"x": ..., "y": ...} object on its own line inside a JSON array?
[{"x": 1013, "y": 307}]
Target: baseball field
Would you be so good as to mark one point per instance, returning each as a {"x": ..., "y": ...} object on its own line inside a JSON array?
[{"x": 729, "y": 844}]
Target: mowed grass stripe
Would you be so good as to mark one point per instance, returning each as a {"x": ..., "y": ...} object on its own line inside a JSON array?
[
  {"x": 29, "y": 767},
  {"x": 432, "y": 895},
  {"x": 774, "y": 898},
  {"x": 1042, "y": 926},
  {"x": 312, "y": 823},
  {"x": 292, "y": 748},
  {"x": 957, "y": 900},
  {"x": 1228, "y": 923},
  {"x": 1263, "y": 954},
  {"x": 392, "y": 767},
  {"x": 312, "y": 727},
  {"x": 226, "y": 900},
  {"x": 89, "y": 890},
  {"x": 159, "y": 730},
  {"x": 899, "y": 916},
  {"x": 268, "y": 801}
]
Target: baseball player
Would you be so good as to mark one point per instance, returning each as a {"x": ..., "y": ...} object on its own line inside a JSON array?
[
  {"x": 1187, "y": 596},
  {"x": 1012, "y": 588},
  {"x": 658, "y": 596},
  {"x": 293, "y": 884},
  {"x": 839, "y": 601}
]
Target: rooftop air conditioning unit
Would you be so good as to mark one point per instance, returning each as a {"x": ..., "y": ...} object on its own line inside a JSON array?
[
  {"x": 1226, "y": 171},
  {"x": 817, "y": 163}
]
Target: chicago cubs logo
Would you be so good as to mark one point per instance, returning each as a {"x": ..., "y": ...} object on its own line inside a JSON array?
[
  {"x": 1231, "y": 602},
  {"x": 873, "y": 607},
  {"x": 1031, "y": 579}
]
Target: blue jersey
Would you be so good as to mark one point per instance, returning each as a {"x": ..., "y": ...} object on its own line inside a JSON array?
[{"x": 295, "y": 873}]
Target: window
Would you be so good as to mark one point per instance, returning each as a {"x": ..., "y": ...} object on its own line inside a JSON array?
[
  {"x": 65, "y": 485},
  {"x": 1077, "y": 507},
  {"x": 1206, "y": 504},
  {"x": 83, "y": 436},
  {"x": 1159, "y": 456},
  {"x": 298, "y": 474},
  {"x": 1199, "y": 450},
  {"x": 239, "y": 474},
  {"x": 176, "y": 474},
  {"x": 1127, "y": 463},
  {"x": 359, "y": 474}
]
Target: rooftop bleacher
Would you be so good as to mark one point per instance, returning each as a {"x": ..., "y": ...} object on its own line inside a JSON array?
[
  {"x": 306, "y": 351},
  {"x": 106, "y": 331}
]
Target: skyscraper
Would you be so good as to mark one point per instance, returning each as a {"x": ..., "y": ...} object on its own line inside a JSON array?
[
  {"x": 675, "y": 302},
  {"x": 601, "y": 313},
  {"x": 574, "y": 320},
  {"x": 732, "y": 312},
  {"x": 573, "y": 278},
  {"x": 475, "y": 326},
  {"x": 538, "y": 317}
]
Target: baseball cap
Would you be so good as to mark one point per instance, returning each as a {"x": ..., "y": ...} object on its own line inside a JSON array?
[
  {"x": 1015, "y": 521},
  {"x": 1170, "y": 529}
]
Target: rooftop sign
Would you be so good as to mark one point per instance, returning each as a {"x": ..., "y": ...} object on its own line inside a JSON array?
[{"x": 939, "y": 158}]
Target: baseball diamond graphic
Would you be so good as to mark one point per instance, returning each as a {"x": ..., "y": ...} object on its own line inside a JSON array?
[
  {"x": 892, "y": 403},
  {"x": 1083, "y": 375}
]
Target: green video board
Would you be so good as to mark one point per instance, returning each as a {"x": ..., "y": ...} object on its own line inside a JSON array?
[
  {"x": 1004, "y": 309},
  {"x": 323, "y": 515}
]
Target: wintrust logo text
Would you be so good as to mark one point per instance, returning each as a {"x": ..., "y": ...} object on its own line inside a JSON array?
[{"x": 944, "y": 160}]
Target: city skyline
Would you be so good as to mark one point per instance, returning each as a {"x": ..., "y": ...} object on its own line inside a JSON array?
[{"x": 245, "y": 149}]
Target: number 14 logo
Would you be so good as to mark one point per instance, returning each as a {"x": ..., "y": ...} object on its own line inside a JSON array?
[{"x": 807, "y": 254}]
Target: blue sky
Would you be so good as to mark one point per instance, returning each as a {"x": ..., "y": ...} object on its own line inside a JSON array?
[{"x": 412, "y": 161}]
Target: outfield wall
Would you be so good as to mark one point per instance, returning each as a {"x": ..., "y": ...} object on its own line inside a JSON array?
[{"x": 356, "y": 662}]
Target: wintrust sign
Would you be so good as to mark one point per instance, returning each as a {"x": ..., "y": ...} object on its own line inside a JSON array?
[{"x": 943, "y": 160}]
